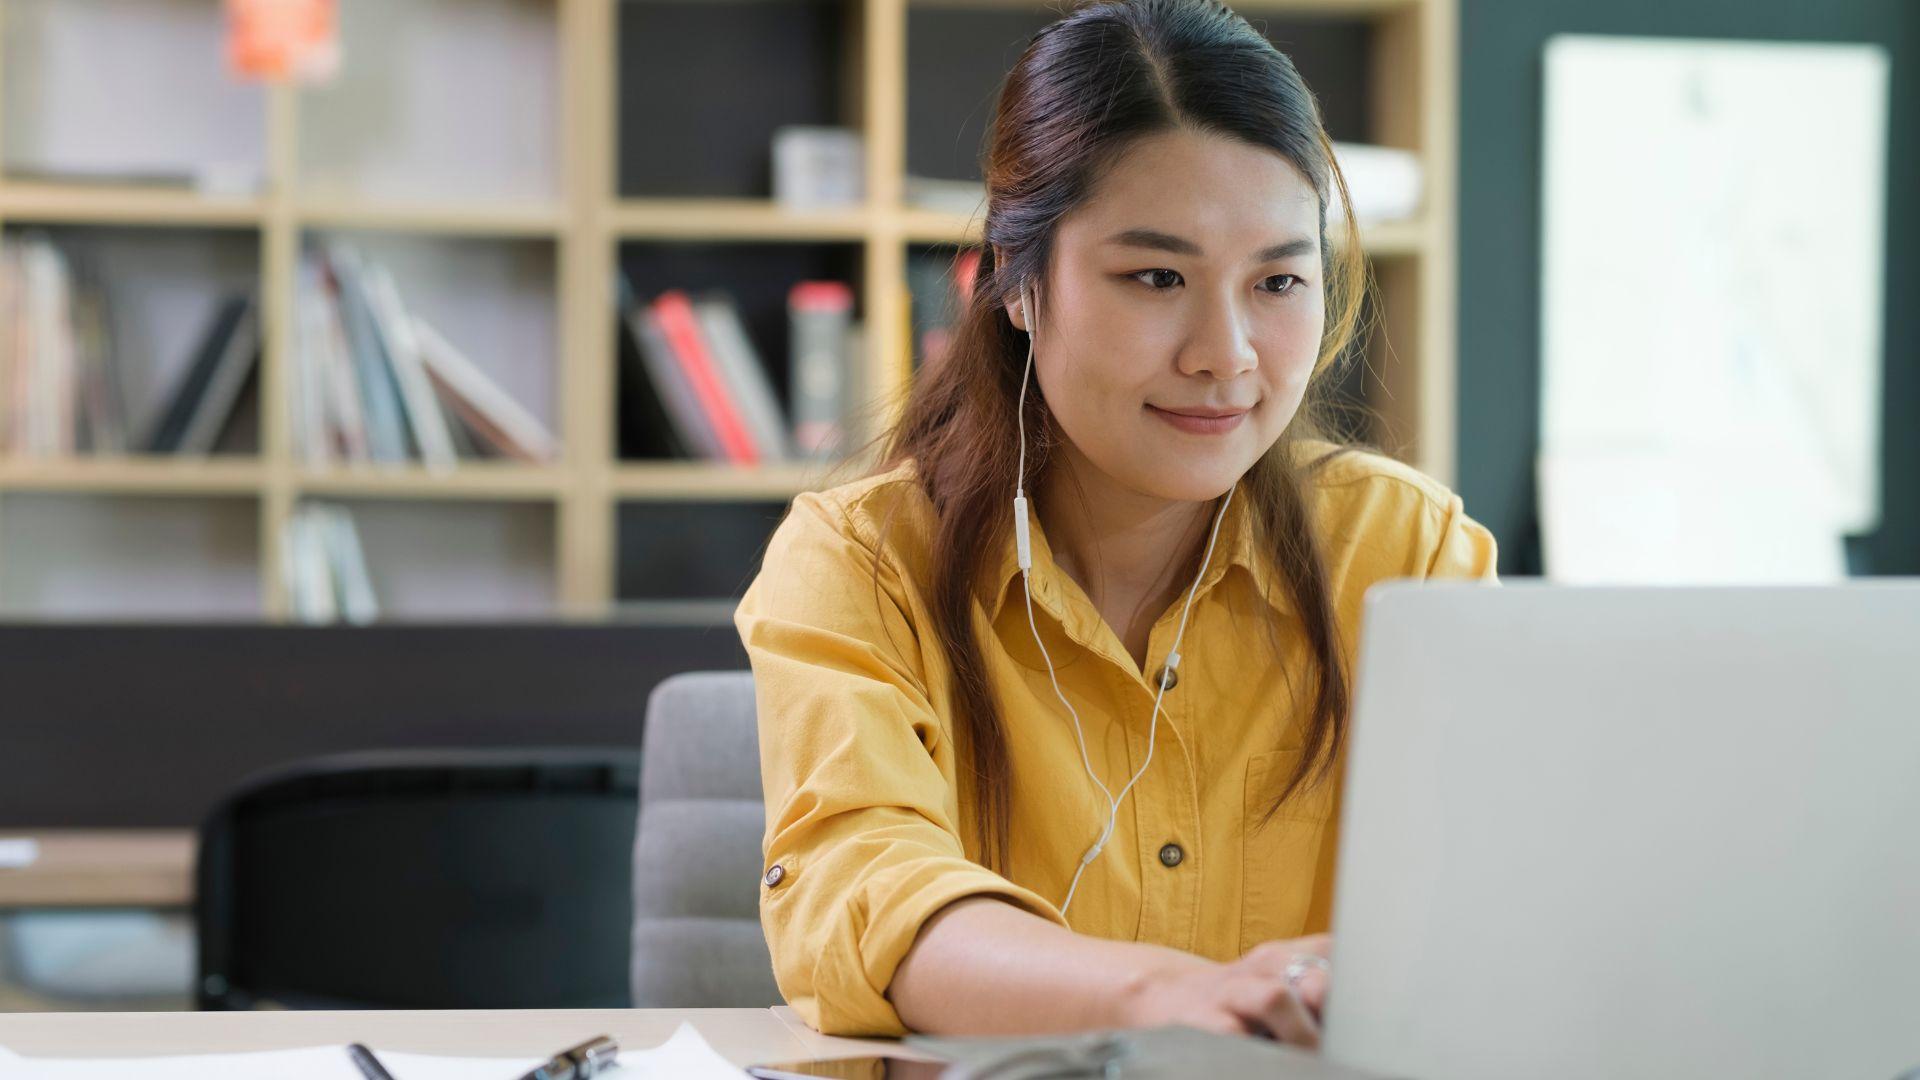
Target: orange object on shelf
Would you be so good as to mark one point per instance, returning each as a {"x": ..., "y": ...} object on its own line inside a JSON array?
[{"x": 282, "y": 40}]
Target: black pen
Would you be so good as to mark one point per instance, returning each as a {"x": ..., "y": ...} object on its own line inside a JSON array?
[{"x": 369, "y": 1065}]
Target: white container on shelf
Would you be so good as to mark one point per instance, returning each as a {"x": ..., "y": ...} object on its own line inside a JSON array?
[
  {"x": 1385, "y": 183},
  {"x": 818, "y": 168}
]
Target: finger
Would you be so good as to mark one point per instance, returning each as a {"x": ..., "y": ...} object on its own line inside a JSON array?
[
  {"x": 1312, "y": 987},
  {"x": 1271, "y": 1006},
  {"x": 1320, "y": 945},
  {"x": 1292, "y": 1022},
  {"x": 1223, "y": 1023},
  {"x": 1281, "y": 951},
  {"x": 1277, "y": 959}
]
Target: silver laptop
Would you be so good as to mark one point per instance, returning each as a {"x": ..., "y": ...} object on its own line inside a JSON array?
[{"x": 1614, "y": 832}]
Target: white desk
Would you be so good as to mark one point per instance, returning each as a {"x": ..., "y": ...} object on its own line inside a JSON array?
[{"x": 743, "y": 1036}]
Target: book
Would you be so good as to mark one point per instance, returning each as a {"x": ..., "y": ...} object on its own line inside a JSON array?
[
  {"x": 10, "y": 338},
  {"x": 240, "y": 433},
  {"x": 312, "y": 438},
  {"x": 353, "y": 584},
  {"x": 466, "y": 444},
  {"x": 347, "y": 418},
  {"x": 49, "y": 388},
  {"x": 325, "y": 566},
  {"x": 215, "y": 408},
  {"x": 228, "y": 332},
  {"x": 480, "y": 402},
  {"x": 103, "y": 412},
  {"x": 304, "y": 564},
  {"x": 402, "y": 349},
  {"x": 645, "y": 426},
  {"x": 674, "y": 310},
  {"x": 386, "y": 425},
  {"x": 689, "y": 425},
  {"x": 744, "y": 373}
]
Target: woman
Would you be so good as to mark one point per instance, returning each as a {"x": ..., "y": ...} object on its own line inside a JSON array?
[{"x": 1089, "y": 777}]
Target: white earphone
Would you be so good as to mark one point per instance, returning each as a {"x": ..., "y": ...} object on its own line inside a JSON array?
[{"x": 1023, "y": 547}]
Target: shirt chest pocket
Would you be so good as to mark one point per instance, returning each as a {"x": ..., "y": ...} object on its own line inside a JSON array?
[{"x": 1280, "y": 853}]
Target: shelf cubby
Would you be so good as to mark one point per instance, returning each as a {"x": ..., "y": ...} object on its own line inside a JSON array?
[
  {"x": 684, "y": 550},
  {"x": 86, "y": 555},
  {"x": 439, "y": 102},
  {"x": 162, "y": 288},
  {"x": 759, "y": 65},
  {"x": 758, "y": 276},
  {"x": 445, "y": 559},
  {"x": 94, "y": 90}
]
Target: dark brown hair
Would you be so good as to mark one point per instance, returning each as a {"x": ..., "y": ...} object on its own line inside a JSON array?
[{"x": 1087, "y": 87}]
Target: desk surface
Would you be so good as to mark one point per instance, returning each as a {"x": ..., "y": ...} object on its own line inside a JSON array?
[
  {"x": 743, "y": 1036},
  {"x": 103, "y": 868}
]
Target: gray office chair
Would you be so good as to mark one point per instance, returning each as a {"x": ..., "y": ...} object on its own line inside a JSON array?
[{"x": 697, "y": 941}]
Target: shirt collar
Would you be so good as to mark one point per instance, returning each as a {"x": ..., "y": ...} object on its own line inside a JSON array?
[{"x": 1237, "y": 550}]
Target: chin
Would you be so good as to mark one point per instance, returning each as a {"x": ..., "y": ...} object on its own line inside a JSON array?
[{"x": 1186, "y": 477}]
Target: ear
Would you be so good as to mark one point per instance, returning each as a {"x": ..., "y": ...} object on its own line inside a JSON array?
[{"x": 1016, "y": 311}]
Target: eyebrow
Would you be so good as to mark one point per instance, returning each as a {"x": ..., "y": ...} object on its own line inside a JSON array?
[{"x": 1159, "y": 241}]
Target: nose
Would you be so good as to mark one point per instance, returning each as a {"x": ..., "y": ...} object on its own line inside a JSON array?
[{"x": 1219, "y": 343}]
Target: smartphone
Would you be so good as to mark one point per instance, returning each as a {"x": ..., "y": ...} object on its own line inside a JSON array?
[{"x": 858, "y": 1068}]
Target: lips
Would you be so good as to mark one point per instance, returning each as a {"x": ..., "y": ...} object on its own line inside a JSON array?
[
  {"x": 1200, "y": 421},
  {"x": 1205, "y": 414}
]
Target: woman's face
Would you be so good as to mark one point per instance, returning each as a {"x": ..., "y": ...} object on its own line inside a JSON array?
[{"x": 1182, "y": 313}]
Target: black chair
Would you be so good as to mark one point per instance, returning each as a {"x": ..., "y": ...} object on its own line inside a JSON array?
[{"x": 422, "y": 880}]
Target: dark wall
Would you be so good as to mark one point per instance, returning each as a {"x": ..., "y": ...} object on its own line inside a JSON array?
[
  {"x": 1500, "y": 105},
  {"x": 957, "y": 57},
  {"x": 188, "y": 711}
]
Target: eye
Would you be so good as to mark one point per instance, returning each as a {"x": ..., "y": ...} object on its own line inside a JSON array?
[
  {"x": 1290, "y": 284},
  {"x": 1164, "y": 286}
]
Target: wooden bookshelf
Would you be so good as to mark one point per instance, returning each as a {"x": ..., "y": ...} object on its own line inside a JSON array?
[
  {"x": 471, "y": 480},
  {"x": 587, "y": 222},
  {"x": 474, "y": 219},
  {"x": 125, "y": 204}
]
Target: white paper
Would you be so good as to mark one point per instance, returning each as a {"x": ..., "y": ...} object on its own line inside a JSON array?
[
  {"x": 1711, "y": 295},
  {"x": 684, "y": 1056}
]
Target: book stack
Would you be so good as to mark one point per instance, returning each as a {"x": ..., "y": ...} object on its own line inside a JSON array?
[
  {"x": 374, "y": 382},
  {"x": 61, "y": 383},
  {"x": 692, "y": 385},
  {"x": 325, "y": 567}
]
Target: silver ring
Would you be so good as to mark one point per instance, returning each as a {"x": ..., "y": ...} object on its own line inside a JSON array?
[{"x": 1301, "y": 963}]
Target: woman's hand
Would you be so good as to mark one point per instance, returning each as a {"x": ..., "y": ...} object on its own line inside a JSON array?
[{"x": 1267, "y": 992}]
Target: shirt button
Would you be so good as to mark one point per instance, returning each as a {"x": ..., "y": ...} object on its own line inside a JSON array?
[
  {"x": 775, "y": 875},
  {"x": 1171, "y": 675},
  {"x": 1171, "y": 855}
]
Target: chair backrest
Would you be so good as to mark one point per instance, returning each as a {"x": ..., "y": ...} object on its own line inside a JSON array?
[
  {"x": 421, "y": 880},
  {"x": 697, "y": 941}
]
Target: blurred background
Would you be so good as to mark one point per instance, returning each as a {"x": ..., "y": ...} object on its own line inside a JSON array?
[{"x": 393, "y": 374}]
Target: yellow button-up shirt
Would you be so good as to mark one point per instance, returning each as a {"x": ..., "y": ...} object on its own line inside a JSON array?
[{"x": 866, "y": 829}]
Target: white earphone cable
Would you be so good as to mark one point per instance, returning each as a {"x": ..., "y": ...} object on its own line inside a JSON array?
[{"x": 1024, "y": 552}]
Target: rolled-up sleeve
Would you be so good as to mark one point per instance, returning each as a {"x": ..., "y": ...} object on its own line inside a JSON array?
[
  {"x": 1466, "y": 548},
  {"x": 857, "y": 765}
]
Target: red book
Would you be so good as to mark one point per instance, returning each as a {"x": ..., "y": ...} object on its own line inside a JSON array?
[{"x": 682, "y": 328}]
